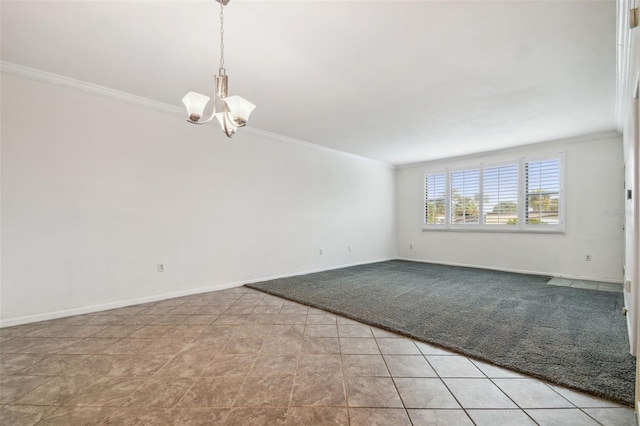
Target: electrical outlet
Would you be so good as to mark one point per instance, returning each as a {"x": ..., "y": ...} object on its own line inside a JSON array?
[
  {"x": 160, "y": 267},
  {"x": 587, "y": 258}
]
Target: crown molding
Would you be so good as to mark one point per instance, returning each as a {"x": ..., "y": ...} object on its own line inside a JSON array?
[
  {"x": 514, "y": 150},
  {"x": 83, "y": 86},
  {"x": 105, "y": 92},
  {"x": 309, "y": 145}
]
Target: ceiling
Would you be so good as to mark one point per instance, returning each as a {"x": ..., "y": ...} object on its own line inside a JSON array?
[{"x": 395, "y": 81}]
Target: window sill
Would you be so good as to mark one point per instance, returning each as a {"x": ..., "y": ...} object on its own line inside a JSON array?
[{"x": 496, "y": 231}]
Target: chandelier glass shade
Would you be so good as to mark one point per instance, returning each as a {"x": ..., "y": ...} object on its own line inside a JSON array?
[{"x": 231, "y": 112}]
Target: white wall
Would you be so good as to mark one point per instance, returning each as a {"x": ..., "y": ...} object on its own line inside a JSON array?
[
  {"x": 96, "y": 193},
  {"x": 594, "y": 179}
]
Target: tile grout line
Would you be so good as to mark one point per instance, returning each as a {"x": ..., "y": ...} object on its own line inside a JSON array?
[
  {"x": 200, "y": 376},
  {"x": 404, "y": 406},
  {"x": 344, "y": 378},
  {"x": 503, "y": 392},
  {"x": 447, "y": 387},
  {"x": 197, "y": 377},
  {"x": 295, "y": 373},
  {"x": 491, "y": 379},
  {"x": 244, "y": 382},
  {"x": 570, "y": 402}
]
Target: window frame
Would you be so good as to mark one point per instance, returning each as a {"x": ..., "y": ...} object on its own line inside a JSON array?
[
  {"x": 561, "y": 190},
  {"x": 502, "y": 227},
  {"x": 449, "y": 196},
  {"x": 424, "y": 197},
  {"x": 520, "y": 226}
]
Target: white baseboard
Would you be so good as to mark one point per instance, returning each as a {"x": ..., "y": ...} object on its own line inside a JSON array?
[
  {"x": 518, "y": 271},
  {"x": 106, "y": 306},
  {"x": 154, "y": 298}
]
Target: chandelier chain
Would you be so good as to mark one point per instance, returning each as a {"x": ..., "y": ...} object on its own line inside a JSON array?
[{"x": 221, "y": 36}]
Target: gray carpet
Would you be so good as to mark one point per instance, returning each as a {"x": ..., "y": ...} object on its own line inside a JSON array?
[{"x": 569, "y": 336}]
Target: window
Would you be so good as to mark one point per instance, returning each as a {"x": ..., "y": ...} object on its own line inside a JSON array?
[
  {"x": 542, "y": 198},
  {"x": 519, "y": 195},
  {"x": 500, "y": 189},
  {"x": 435, "y": 193},
  {"x": 465, "y": 196}
]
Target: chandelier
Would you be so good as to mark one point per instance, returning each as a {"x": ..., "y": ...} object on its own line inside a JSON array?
[{"x": 231, "y": 111}]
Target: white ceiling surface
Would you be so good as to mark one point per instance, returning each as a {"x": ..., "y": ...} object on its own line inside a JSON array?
[{"x": 395, "y": 81}]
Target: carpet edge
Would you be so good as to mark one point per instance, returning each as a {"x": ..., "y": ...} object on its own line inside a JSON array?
[{"x": 461, "y": 351}]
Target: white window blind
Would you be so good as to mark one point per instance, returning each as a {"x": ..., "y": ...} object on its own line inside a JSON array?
[
  {"x": 500, "y": 195},
  {"x": 465, "y": 196},
  {"x": 435, "y": 195},
  {"x": 513, "y": 195},
  {"x": 542, "y": 198}
]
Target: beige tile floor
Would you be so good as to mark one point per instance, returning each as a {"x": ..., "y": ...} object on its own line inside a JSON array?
[
  {"x": 590, "y": 285},
  {"x": 241, "y": 357}
]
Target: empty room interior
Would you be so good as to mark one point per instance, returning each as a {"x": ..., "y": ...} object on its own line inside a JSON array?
[{"x": 319, "y": 212}]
